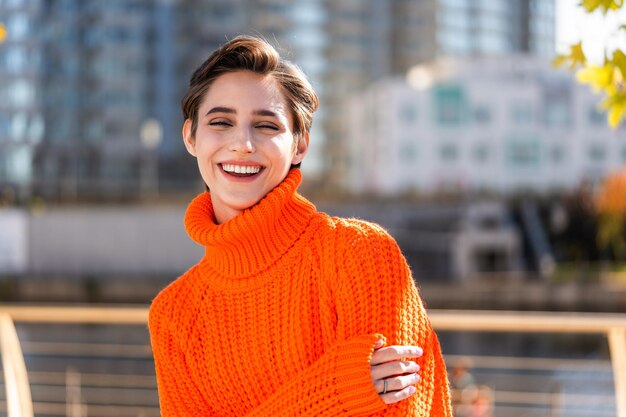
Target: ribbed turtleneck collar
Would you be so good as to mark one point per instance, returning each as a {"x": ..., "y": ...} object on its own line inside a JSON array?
[{"x": 257, "y": 237}]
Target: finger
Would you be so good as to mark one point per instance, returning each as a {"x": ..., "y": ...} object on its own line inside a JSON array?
[
  {"x": 397, "y": 396},
  {"x": 379, "y": 344},
  {"x": 396, "y": 383},
  {"x": 389, "y": 369},
  {"x": 392, "y": 353}
]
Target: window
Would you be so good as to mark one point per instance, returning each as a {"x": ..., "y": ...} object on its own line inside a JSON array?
[
  {"x": 15, "y": 3},
  {"x": 556, "y": 105},
  {"x": 596, "y": 153},
  {"x": 5, "y": 124},
  {"x": 522, "y": 114},
  {"x": 450, "y": 105},
  {"x": 595, "y": 117},
  {"x": 16, "y": 59},
  {"x": 523, "y": 152},
  {"x": 448, "y": 152},
  {"x": 490, "y": 42},
  {"x": 557, "y": 154},
  {"x": 481, "y": 153},
  {"x": 482, "y": 114},
  {"x": 18, "y": 26},
  {"x": 94, "y": 131},
  {"x": 557, "y": 114},
  {"x": 18, "y": 126},
  {"x": 21, "y": 93}
]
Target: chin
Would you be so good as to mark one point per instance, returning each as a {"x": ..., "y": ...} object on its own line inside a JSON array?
[{"x": 242, "y": 205}]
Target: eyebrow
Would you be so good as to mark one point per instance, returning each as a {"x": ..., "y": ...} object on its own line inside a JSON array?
[
  {"x": 233, "y": 111},
  {"x": 221, "y": 110}
]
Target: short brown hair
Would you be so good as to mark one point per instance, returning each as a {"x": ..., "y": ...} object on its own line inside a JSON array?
[{"x": 257, "y": 55}]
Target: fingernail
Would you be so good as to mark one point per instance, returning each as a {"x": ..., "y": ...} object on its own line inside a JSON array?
[
  {"x": 379, "y": 344},
  {"x": 419, "y": 351},
  {"x": 412, "y": 389},
  {"x": 416, "y": 377}
]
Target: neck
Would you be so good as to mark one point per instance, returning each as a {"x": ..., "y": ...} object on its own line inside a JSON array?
[{"x": 223, "y": 212}]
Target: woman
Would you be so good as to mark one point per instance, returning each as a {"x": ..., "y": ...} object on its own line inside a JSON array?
[{"x": 289, "y": 310}]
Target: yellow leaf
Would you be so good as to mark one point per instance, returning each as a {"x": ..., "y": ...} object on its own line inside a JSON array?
[
  {"x": 614, "y": 117},
  {"x": 615, "y": 103},
  {"x": 606, "y": 5},
  {"x": 600, "y": 78},
  {"x": 616, "y": 114},
  {"x": 3, "y": 32},
  {"x": 559, "y": 60},
  {"x": 576, "y": 57},
  {"x": 591, "y": 5},
  {"x": 619, "y": 60}
]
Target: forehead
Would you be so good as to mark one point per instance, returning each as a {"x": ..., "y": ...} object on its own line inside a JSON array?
[{"x": 246, "y": 90}]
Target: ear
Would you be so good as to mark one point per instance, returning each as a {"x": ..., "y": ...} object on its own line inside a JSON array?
[
  {"x": 188, "y": 138},
  {"x": 302, "y": 146}
]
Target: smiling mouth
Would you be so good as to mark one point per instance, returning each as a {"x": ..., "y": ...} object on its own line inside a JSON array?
[{"x": 241, "y": 170}]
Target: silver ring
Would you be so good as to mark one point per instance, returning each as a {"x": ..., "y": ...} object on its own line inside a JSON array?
[{"x": 384, "y": 386}]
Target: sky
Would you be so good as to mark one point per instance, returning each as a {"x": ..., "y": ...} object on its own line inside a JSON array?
[{"x": 596, "y": 30}]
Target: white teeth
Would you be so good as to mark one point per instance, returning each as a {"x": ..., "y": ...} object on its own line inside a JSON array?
[{"x": 241, "y": 169}]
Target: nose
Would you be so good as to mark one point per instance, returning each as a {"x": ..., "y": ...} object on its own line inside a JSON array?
[{"x": 242, "y": 141}]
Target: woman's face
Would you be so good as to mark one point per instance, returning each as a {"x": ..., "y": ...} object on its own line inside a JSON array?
[{"x": 244, "y": 142}]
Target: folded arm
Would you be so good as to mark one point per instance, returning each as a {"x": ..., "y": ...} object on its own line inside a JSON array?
[
  {"x": 338, "y": 383},
  {"x": 376, "y": 293}
]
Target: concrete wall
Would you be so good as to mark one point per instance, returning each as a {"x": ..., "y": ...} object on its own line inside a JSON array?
[
  {"x": 13, "y": 241},
  {"x": 105, "y": 241}
]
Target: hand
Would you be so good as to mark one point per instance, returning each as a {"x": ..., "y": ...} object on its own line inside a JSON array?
[{"x": 387, "y": 365}]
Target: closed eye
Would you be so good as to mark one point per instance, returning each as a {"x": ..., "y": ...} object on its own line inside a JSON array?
[
  {"x": 268, "y": 126},
  {"x": 220, "y": 123}
]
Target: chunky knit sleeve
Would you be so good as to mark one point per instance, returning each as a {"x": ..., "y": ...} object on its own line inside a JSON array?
[
  {"x": 337, "y": 384},
  {"x": 178, "y": 395},
  {"x": 376, "y": 293}
]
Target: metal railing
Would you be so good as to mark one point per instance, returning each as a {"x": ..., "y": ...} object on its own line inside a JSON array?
[
  {"x": 18, "y": 390},
  {"x": 613, "y": 326}
]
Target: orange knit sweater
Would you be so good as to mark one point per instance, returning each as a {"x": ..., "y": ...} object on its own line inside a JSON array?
[{"x": 281, "y": 316}]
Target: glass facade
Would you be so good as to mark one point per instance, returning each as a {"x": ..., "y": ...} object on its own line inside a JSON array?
[
  {"x": 496, "y": 27},
  {"x": 77, "y": 80},
  {"x": 21, "y": 115}
]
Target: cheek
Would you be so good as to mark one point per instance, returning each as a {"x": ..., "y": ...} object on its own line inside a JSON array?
[
  {"x": 283, "y": 146},
  {"x": 205, "y": 147}
]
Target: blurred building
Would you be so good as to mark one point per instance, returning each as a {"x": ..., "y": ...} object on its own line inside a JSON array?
[
  {"x": 479, "y": 124},
  {"x": 489, "y": 28},
  {"x": 21, "y": 110},
  {"x": 373, "y": 39},
  {"x": 80, "y": 80}
]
